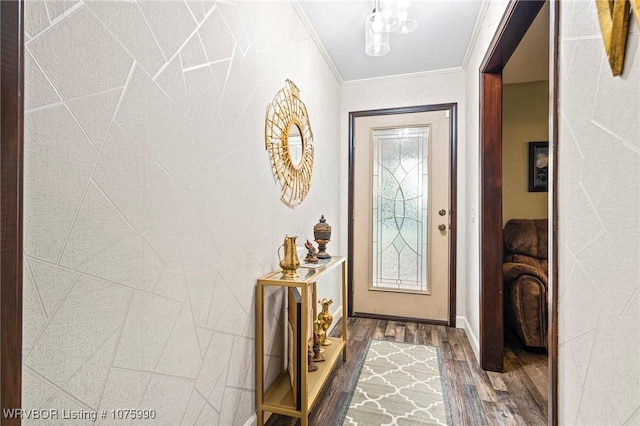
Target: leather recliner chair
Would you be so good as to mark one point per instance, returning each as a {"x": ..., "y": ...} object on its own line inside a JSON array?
[{"x": 525, "y": 279}]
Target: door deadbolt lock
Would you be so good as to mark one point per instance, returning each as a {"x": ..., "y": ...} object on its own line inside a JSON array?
[
  {"x": 442, "y": 212},
  {"x": 442, "y": 227}
]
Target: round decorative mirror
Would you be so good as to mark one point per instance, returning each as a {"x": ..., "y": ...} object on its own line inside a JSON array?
[{"x": 289, "y": 141}]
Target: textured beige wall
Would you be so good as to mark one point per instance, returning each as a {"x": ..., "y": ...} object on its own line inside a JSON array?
[
  {"x": 150, "y": 204},
  {"x": 599, "y": 219},
  {"x": 525, "y": 118}
]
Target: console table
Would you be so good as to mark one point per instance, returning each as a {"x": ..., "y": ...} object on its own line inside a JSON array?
[{"x": 279, "y": 397}]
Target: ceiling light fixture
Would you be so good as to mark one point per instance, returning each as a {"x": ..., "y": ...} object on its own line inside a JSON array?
[
  {"x": 391, "y": 17},
  {"x": 376, "y": 38},
  {"x": 401, "y": 11}
]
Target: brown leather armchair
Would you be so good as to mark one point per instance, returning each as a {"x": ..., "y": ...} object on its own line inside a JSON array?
[{"x": 525, "y": 279}]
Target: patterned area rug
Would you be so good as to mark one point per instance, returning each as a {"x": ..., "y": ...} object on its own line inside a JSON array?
[{"x": 399, "y": 384}]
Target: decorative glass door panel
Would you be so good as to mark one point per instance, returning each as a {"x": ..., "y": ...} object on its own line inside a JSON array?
[{"x": 400, "y": 202}]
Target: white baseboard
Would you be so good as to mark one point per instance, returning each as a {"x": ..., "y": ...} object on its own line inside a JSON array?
[
  {"x": 251, "y": 421},
  {"x": 461, "y": 322}
]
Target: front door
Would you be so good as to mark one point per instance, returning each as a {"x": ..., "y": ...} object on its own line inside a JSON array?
[{"x": 401, "y": 215}]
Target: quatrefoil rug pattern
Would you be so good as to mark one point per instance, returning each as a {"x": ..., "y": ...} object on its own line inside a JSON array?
[{"x": 399, "y": 384}]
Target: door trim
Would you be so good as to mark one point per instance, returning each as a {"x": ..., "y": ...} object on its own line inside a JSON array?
[
  {"x": 11, "y": 178},
  {"x": 515, "y": 22},
  {"x": 554, "y": 30},
  {"x": 453, "y": 159}
]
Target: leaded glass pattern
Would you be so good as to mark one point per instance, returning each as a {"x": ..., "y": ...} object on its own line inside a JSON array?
[{"x": 400, "y": 202}]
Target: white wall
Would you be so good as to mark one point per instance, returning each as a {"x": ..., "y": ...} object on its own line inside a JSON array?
[
  {"x": 150, "y": 204},
  {"x": 492, "y": 16},
  {"x": 599, "y": 218},
  {"x": 413, "y": 90}
]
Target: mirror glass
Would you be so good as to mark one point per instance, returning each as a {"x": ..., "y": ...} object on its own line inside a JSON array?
[{"x": 295, "y": 144}]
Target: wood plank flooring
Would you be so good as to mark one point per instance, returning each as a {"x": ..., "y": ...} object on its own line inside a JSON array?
[{"x": 476, "y": 397}]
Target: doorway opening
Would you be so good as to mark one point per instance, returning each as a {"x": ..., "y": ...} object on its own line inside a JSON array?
[
  {"x": 516, "y": 21},
  {"x": 430, "y": 215},
  {"x": 525, "y": 208}
]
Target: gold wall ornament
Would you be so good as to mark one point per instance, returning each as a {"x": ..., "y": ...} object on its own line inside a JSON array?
[
  {"x": 614, "y": 24},
  {"x": 289, "y": 140}
]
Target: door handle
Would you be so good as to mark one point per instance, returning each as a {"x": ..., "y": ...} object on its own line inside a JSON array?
[{"x": 442, "y": 227}]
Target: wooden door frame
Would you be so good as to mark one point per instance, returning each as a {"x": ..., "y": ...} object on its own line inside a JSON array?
[
  {"x": 514, "y": 24},
  {"x": 11, "y": 161},
  {"x": 453, "y": 202}
]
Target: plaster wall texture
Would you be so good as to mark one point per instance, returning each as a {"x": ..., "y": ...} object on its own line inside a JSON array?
[
  {"x": 599, "y": 221},
  {"x": 412, "y": 90},
  {"x": 148, "y": 193},
  {"x": 150, "y": 204}
]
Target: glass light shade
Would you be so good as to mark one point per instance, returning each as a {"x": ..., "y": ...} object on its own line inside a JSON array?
[
  {"x": 389, "y": 9},
  {"x": 376, "y": 38},
  {"x": 406, "y": 26},
  {"x": 402, "y": 13}
]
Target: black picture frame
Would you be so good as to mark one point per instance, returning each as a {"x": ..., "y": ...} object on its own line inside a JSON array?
[{"x": 539, "y": 166}]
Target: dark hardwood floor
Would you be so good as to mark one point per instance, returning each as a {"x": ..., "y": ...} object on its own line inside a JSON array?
[{"x": 476, "y": 397}]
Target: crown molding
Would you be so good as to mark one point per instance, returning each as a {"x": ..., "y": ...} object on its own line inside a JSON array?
[
  {"x": 403, "y": 76},
  {"x": 476, "y": 32},
  {"x": 314, "y": 36}
]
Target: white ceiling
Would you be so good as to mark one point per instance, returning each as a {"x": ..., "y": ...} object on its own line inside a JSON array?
[
  {"x": 445, "y": 28},
  {"x": 530, "y": 61}
]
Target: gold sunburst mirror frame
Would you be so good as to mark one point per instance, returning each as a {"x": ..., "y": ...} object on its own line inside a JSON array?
[
  {"x": 614, "y": 17},
  {"x": 289, "y": 140}
]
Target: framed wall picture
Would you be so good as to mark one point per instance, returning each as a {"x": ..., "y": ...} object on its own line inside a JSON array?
[{"x": 538, "y": 166}]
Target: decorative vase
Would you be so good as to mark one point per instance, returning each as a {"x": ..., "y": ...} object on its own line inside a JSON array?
[
  {"x": 322, "y": 234},
  {"x": 289, "y": 262},
  {"x": 325, "y": 318}
]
